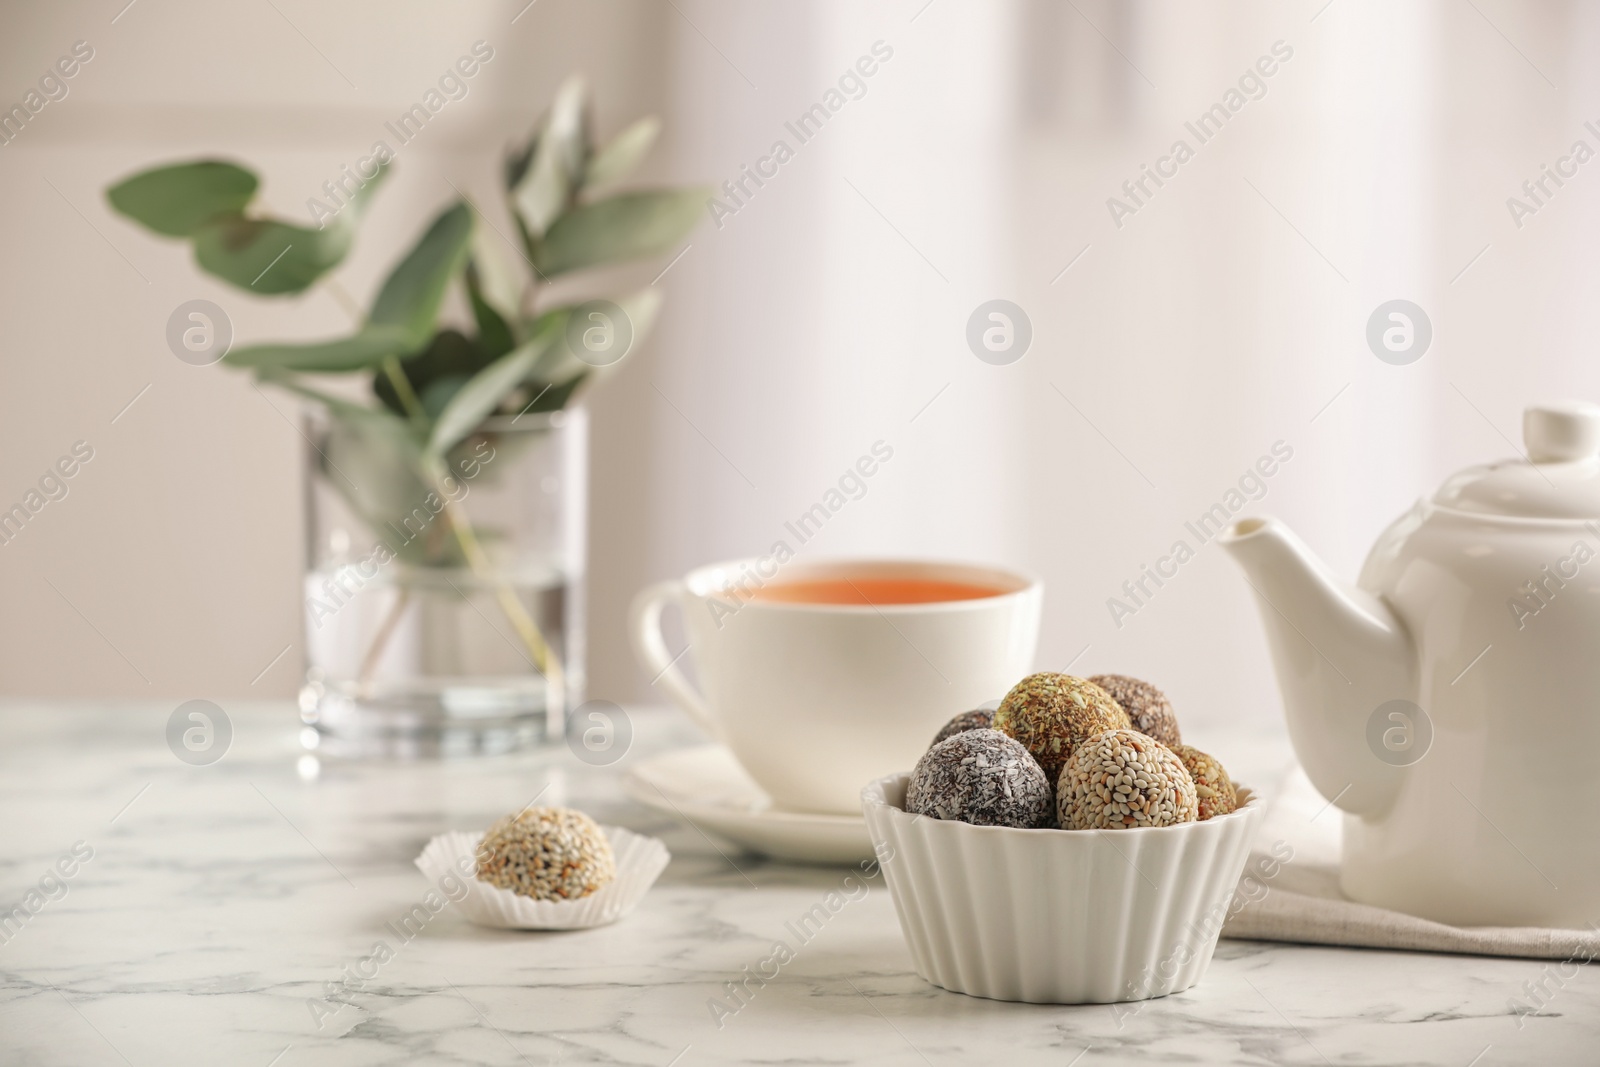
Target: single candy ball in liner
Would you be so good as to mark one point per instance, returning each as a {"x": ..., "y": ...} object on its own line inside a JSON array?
[
  {"x": 981, "y": 777},
  {"x": 1051, "y": 714},
  {"x": 1123, "y": 779},
  {"x": 547, "y": 854},
  {"x": 978, "y": 719},
  {"x": 1148, "y": 708},
  {"x": 1216, "y": 791}
]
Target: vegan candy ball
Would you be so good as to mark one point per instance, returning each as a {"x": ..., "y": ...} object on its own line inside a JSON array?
[
  {"x": 1148, "y": 708},
  {"x": 1051, "y": 714},
  {"x": 977, "y": 719},
  {"x": 1213, "y": 787},
  {"x": 981, "y": 777},
  {"x": 1123, "y": 779},
  {"x": 547, "y": 854}
]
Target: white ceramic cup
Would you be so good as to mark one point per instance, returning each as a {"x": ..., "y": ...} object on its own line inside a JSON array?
[{"x": 817, "y": 699}]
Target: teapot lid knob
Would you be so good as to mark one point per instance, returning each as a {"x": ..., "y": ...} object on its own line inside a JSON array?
[{"x": 1561, "y": 432}]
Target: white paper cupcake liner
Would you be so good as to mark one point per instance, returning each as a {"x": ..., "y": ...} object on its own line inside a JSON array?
[{"x": 640, "y": 861}]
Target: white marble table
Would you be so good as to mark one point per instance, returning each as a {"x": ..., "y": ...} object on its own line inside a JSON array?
[{"x": 221, "y": 901}]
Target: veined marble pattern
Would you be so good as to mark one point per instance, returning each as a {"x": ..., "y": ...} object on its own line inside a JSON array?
[{"x": 221, "y": 901}]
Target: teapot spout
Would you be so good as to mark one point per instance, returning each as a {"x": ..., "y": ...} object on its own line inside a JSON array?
[{"x": 1340, "y": 654}]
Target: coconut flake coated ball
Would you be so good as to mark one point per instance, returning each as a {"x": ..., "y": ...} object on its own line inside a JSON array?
[
  {"x": 1216, "y": 791},
  {"x": 1123, "y": 779},
  {"x": 977, "y": 719},
  {"x": 1051, "y": 714},
  {"x": 547, "y": 854},
  {"x": 980, "y": 777},
  {"x": 1148, "y": 707}
]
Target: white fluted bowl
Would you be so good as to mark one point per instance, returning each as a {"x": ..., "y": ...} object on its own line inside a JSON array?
[{"x": 1058, "y": 916}]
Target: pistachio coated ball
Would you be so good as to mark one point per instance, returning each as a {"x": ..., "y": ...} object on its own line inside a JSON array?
[
  {"x": 1216, "y": 791},
  {"x": 1051, "y": 714}
]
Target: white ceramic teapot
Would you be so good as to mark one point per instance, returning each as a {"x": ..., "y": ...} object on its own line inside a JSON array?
[{"x": 1449, "y": 702}]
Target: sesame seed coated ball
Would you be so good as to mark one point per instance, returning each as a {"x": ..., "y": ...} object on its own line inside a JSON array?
[
  {"x": 1051, "y": 714},
  {"x": 1148, "y": 707},
  {"x": 1123, "y": 779},
  {"x": 1215, "y": 789},
  {"x": 547, "y": 854},
  {"x": 977, "y": 719},
  {"x": 980, "y": 777}
]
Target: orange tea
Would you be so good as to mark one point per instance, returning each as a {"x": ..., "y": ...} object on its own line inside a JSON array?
[{"x": 867, "y": 590}]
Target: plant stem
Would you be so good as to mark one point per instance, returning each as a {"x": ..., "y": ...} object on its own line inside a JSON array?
[
  {"x": 529, "y": 292},
  {"x": 402, "y": 389},
  {"x": 380, "y": 641},
  {"x": 544, "y": 658}
]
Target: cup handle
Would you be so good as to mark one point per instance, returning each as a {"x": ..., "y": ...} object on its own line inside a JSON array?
[{"x": 644, "y": 625}]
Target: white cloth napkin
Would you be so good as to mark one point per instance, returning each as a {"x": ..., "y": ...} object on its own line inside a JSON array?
[{"x": 1300, "y": 900}]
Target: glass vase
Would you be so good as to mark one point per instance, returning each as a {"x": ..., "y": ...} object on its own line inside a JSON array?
[{"x": 443, "y": 601}]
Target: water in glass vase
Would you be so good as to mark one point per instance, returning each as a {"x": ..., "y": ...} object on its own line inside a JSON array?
[
  {"x": 428, "y": 661},
  {"x": 444, "y": 610}
]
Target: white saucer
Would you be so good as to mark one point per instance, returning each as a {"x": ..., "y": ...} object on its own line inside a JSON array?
[{"x": 706, "y": 787}]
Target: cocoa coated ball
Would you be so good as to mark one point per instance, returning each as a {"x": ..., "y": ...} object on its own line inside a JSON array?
[
  {"x": 977, "y": 719},
  {"x": 981, "y": 777},
  {"x": 1148, "y": 707}
]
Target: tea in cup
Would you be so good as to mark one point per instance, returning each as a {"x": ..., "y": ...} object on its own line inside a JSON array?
[{"x": 827, "y": 675}]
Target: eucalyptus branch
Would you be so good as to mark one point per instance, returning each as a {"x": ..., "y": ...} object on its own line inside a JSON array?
[{"x": 558, "y": 187}]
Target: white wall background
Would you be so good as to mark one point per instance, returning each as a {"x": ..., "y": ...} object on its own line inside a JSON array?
[{"x": 1227, "y": 314}]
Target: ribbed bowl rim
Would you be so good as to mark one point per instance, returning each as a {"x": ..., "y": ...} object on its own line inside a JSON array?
[{"x": 875, "y": 795}]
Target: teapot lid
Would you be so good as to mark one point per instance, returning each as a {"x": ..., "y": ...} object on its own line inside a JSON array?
[{"x": 1558, "y": 478}]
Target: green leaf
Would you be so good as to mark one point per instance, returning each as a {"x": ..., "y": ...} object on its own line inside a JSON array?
[
  {"x": 623, "y": 153},
  {"x": 622, "y": 227},
  {"x": 269, "y": 257},
  {"x": 374, "y": 461},
  {"x": 560, "y": 364},
  {"x": 177, "y": 200},
  {"x": 517, "y": 160},
  {"x": 477, "y": 400},
  {"x": 552, "y": 178},
  {"x": 641, "y": 308},
  {"x": 410, "y": 298},
  {"x": 366, "y": 349},
  {"x": 499, "y": 279},
  {"x": 437, "y": 396},
  {"x": 555, "y": 397},
  {"x": 450, "y": 354},
  {"x": 494, "y": 333}
]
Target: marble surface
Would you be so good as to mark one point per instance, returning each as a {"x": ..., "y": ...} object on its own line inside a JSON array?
[{"x": 228, "y": 912}]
